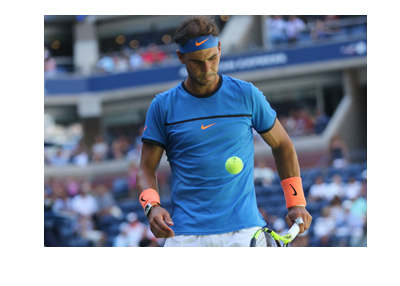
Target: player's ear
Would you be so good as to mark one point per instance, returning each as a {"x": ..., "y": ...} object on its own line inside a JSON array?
[{"x": 181, "y": 57}]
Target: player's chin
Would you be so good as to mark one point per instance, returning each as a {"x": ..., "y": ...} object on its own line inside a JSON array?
[{"x": 207, "y": 79}]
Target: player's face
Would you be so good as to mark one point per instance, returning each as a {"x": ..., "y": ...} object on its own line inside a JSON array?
[{"x": 202, "y": 66}]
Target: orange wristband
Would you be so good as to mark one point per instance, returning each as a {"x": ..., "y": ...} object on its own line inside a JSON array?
[
  {"x": 293, "y": 191},
  {"x": 149, "y": 196}
]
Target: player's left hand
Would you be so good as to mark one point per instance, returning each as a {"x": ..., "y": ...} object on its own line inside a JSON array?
[{"x": 299, "y": 211}]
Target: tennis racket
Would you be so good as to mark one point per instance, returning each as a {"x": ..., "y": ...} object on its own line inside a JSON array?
[{"x": 266, "y": 237}]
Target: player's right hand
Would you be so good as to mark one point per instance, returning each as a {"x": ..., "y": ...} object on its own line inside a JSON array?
[
  {"x": 160, "y": 221},
  {"x": 299, "y": 211}
]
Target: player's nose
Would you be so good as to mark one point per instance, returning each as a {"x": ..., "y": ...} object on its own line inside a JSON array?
[{"x": 206, "y": 67}]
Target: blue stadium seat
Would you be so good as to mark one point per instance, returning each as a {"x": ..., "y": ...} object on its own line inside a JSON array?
[
  {"x": 105, "y": 221},
  {"x": 67, "y": 232},
  {"x": 311, "y": 173},
  {"x": 112, "y": 229},
  {"x": 304, "y": 37},
  {"x": 262, "y": 202},
  {"x": 79, "y": 242},
  {"x": 276, "y": 180},
  {"x": 354, "y": 168},
  {"x": 307, "y": 183},
  {"x": 110, "y": 241},
  {"x": 120, "y": 187},
  {"x": 358, "y": 30},
  {"x": 364, "y": 166},
  {"x": 282, "y": 212},
  {"x": 130, "y": 205},
  {"x": 277, "y": 198},
  {"x": 142, "y": 217},
  {"x": 272, "y": 210}
]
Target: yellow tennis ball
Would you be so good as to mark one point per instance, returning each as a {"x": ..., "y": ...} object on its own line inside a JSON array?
[{"x": 234, "y": 165}]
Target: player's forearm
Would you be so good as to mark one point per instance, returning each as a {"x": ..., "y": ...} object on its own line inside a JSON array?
[
  {"x": 283, "y": 150},
  {"x": 286, "y": 161},
  {"x": 146, "y": 179}
]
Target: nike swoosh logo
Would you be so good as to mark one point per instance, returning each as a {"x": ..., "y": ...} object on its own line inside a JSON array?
[
  {"x": 198, "y": 44},
  {"x": 142, "y": 199},
  {"x": 205, "y": 127},
  {"x": 144, "y": 128},
  {"x": 295, "y": 193}
]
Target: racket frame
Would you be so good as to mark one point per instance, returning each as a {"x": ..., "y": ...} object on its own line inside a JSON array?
[{"x": 286, "y": 239}]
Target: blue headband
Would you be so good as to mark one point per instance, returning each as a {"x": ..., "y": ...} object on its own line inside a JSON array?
[{"x": 199, "y": 43}]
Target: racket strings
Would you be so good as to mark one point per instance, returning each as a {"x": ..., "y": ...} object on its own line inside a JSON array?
[
  {"x": 266, "y": 237},
  {"x": 262, "y": 240},
  {"x": 266, "y": 240}
]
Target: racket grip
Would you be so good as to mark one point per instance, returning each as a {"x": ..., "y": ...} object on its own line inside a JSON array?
[{"x": 295, "y": 229}]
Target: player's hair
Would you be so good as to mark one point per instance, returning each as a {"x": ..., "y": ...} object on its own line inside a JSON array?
[{"x": 194, "y": 26}]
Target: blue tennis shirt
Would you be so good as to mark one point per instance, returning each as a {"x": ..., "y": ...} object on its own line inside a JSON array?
[{"x": 199, "y": 133}]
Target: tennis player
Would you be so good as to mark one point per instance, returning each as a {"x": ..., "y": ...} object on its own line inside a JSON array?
[{"x": 200, "y": 123}]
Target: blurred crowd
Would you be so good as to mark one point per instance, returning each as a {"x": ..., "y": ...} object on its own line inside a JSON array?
[
  {"x": 280, "y": 30},
  {"x": 50, "y": 64},
  {"x": 292, "y": 29},
  {"x": 337, "y": 202},
  {"x": 66, "y": 146},
  {"x": 343, "y": 217},
  {"x": 81, "y": 212},
  {"x": 300, "y": 122},
  {"x": 80, "y": 154},
  {"x": 117, "y": 61},
  {"x": 132, "y": 59}
]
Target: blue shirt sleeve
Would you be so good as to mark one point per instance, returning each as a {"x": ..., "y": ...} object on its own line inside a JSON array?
[
  {"x": 263, "y": 115},
  {"x": 154, "y": 129}
]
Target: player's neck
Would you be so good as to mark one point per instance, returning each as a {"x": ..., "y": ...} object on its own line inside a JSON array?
[{"x": 198, "y": 89}]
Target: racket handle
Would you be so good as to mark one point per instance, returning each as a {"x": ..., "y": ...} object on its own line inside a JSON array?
[{"x": 295, "y": 229}]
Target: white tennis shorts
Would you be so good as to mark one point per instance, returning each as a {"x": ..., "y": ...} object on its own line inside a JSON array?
[{"x": 240, "y": 238}]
